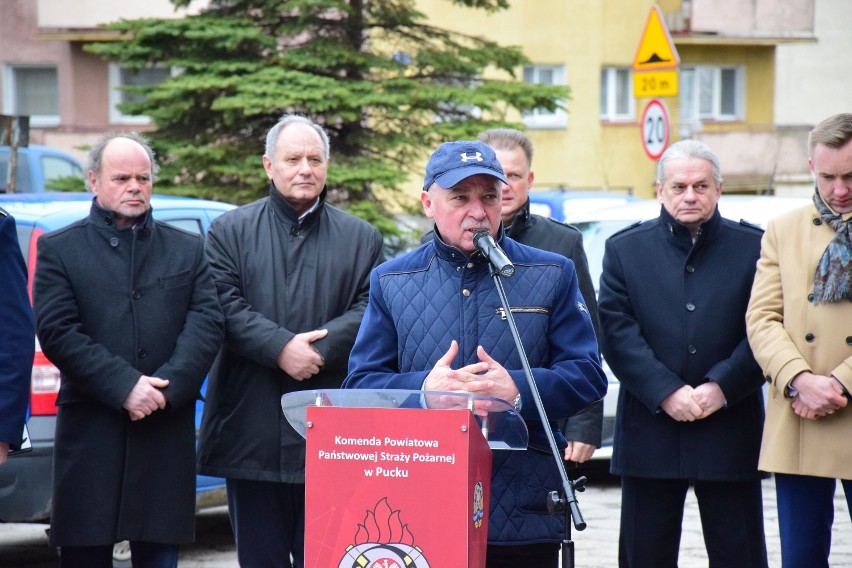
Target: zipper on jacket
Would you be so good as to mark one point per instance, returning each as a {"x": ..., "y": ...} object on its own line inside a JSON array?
[{"x": 502, "y": 312}]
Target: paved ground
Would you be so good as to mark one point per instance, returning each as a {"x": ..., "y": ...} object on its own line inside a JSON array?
[{"x": 595, "y": 547}]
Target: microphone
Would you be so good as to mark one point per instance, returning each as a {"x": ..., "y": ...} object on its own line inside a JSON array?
[{"x": 484, "y": 243}]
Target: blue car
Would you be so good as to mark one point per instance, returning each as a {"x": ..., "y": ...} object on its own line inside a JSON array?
[{"x": 25, "y": 480}]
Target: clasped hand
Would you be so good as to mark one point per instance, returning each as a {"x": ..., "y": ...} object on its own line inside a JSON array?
[
  {"x": 145, "y": 397},
  {"x": 688, "y": 404},
  {"x": 819, "y": 395},
  {"x": 299, "y": 358},
  {"x": 487, "y": 377}
]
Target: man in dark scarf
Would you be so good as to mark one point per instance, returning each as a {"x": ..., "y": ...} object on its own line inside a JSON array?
[{"x": 800, "y": 329}]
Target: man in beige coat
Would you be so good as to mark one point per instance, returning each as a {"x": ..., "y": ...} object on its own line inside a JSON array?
[{"x": 800, "y": 329}]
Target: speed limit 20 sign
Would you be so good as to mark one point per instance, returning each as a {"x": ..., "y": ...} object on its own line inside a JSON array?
[{"x": 655, "y": 129}]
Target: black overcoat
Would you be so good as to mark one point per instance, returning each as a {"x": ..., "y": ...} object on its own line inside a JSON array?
[
  {"x": 112, "y": 305},
  {"x": 278, "y": 275},
  {"x": 673, "y": 313}
]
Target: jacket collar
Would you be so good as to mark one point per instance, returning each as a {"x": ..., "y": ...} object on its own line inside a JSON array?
[
  {"x": 289, "y": 213},
  {"x": 706, "y": 231},
  {"x": 519, "y": 221},
  {"x": 105, "y": 219}
]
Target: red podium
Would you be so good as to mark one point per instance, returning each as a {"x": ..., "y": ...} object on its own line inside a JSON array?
[{"x": 392, "y": 483}]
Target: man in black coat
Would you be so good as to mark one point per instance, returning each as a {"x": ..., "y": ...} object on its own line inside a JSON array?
[
  {"x": 17, "y": 338},
  {"x": 515, "y": 152},
  {"x": 673, "y": 297},
  {"x": 293, "y": 277},
  {"x": 127, "y": 310}
]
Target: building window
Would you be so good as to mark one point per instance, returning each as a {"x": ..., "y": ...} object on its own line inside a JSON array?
[
  {"x": 545, "y": 75},
  {"x": 32, "y": 90},
  {"x": 712, "y": 92},
  {"x": 121, "y": 76},
  {"x": 617, "y": 102}
]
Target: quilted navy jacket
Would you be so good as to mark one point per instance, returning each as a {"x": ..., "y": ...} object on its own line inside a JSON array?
[{"x": 420, "y": 302}]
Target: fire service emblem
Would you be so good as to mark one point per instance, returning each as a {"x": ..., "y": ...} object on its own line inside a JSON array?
[{"x": 383, "y": 541}]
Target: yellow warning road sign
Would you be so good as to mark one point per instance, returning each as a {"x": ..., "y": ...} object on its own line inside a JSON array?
[{"x": 656, "y": 49}]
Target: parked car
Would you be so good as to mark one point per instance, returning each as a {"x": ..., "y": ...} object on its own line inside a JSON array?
[
  {"x": 597, "y": 226},
  {"x": 37, "y": 166},
  {"x": 25, "y": 480},
  {"x": 567, "y": 205}
]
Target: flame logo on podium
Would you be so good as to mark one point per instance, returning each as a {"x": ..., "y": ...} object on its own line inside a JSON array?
[{"x": 383, "y": 541}]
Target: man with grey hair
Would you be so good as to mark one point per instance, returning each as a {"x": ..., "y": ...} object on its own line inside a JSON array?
[
  {"x": 433, "y": 323},
  {"x": 672, "y": 303},
  {"x": 292, "y": 274},
  {"x": 514, "y": 151},
  {"x": 126, "y": 309}
]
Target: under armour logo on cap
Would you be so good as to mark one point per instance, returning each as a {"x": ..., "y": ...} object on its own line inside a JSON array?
[{"x": 454, "y": 161}]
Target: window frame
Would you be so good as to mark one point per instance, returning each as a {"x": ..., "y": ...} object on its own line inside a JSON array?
[
  {"x": 540, "y": 118},
  {"x": 115, "y": 96},
  {"x": 693, "y": 112},
  {"x": 610, "y": 95},
  {"x": 10, "y": 98}
]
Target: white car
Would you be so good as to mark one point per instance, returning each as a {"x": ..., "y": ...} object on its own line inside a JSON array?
[{"x": 598, "y": 226}]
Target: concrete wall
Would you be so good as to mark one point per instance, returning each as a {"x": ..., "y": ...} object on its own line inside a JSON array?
[{"x": 814, "y": 80}]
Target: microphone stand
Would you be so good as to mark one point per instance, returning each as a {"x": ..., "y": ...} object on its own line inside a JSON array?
[{"x": 567, "y": 502}]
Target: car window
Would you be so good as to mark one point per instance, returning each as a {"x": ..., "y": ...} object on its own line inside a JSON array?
[
  {"x": 191, "y": 225},
  {"x": 55, "y": 167},
  {"x": 22, "y": 177}
]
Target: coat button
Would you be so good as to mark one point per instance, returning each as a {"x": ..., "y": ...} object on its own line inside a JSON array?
[
  {"x": 141, "y": 353},
  {"x": 470, "y": 265},
  {"x": 465, "y": 293},
  {"x": 811, "y": 298},
  {"x": 809, "y": 337},
  {"x": 817, "y": 221},
  {"x": 690, "y": 307},
  {"x": 113, "y": 242},
  {"x": 692, "y": 349},
  {"x": 849, "y": 340},
  {"x": 108, "y": 220},
  {"x": 690, "y": 268},
  {"x": 136, "y": 295}
]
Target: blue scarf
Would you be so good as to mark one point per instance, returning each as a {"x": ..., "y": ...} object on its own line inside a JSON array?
[{"x": 833, "y": 277}]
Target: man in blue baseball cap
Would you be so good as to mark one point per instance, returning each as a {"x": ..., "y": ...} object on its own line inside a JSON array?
[{"x": 434, "y": 322}]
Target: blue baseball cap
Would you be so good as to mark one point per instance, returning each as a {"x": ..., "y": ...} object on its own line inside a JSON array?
[{"x": 455, "y": 161}]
